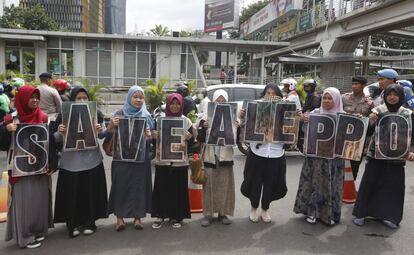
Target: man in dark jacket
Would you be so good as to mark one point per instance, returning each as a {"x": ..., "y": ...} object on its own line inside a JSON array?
[
  {"x": 189, "y": 103},
  {"x": 313, "y": 100}
]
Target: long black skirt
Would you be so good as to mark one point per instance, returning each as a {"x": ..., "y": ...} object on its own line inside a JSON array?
[
  {"x": 264, "y": 177},
  {"x": 81, "y": 197},
  {"x": 381, "y": 192},
  {"x": 170, "y": 196}
]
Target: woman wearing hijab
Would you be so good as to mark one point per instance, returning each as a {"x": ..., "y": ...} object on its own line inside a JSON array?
[
  {"x": 265, "y": 170},
  {"x": 320, "y": 186},
  {"x": 81, "y": 195},
  {"x": 219, "y": 191},
  {"x": 29, "y": 215},
  {"x": 170, "y": 196},
  {"x": 131, "y": 189},
  {"x": 382, "y": 188}
]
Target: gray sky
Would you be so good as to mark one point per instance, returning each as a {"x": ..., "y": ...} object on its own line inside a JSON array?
[
  {"x": 176, "y": 15},
  {"x": 142, "y": 15}
]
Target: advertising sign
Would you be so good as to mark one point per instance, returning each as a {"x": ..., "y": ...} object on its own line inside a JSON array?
[{"x": 220, "y": 14}]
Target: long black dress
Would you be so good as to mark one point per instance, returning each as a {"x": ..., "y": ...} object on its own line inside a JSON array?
[
  {"x": 81, "y": 196},
  {"x": 382, "y": 189}
]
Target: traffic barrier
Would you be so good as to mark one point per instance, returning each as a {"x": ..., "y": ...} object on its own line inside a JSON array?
[
  {"x": 195, "y": 195},
  {"x": 4, "y": 194},
  {"x": 349, "y": 192}
]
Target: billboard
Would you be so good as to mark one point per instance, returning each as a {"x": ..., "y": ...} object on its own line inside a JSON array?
[
  {"x": 220, "y": 15},
  {"x": 272, "y": 11}
]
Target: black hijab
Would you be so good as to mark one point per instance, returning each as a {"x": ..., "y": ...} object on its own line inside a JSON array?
[
  {"x": 75, "y": 90},
  {"x": 399, "y": 90}
]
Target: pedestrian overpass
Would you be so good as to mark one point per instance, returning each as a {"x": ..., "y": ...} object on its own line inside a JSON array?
[{"x": 337, "y": 37}]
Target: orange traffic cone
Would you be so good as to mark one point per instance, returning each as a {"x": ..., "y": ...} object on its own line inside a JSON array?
[
  {"x": 195, "y": 194},
  {"x": 349, "y": 192},
  {"x": 4, "y": 193}
]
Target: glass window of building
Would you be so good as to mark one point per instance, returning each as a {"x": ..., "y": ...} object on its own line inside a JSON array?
[
  {"x": 60, "y": 57},
  {"x": 140, "y": 61},
  {"x": 98, "y": 61},
  {"x": 20, "y": 57}
]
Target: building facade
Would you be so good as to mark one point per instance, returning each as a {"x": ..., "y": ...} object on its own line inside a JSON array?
[
  {"x": 74, "y": 15},
  {"x": 115, "y": 17},
  {"x": 115, "y": 60}
]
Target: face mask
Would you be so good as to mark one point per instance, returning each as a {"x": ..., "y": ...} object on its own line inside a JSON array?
[{"x": 200, "y": 96}]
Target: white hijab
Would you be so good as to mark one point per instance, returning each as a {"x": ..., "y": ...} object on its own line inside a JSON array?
[{"x": 337, "y": 99}]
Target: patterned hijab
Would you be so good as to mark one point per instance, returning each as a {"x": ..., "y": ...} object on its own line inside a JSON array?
[
  {"x": 337, "y": 99},
  {"x": 131, "y": 111},
  {"x": 170, "y": 99}
]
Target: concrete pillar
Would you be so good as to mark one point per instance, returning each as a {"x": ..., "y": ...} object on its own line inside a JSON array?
[
  {"x": 41, "y": 58},
  {"x": 79, "y": 67},
  {"x": 337, "y": 74},
  {"x": 2, "y": 56},
  {"x": 117, "y": 63}
]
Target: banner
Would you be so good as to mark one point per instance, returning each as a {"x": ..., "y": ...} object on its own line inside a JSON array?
[
  {"x": 285, "y": 123},
  {"x": 392, "y": 136},
  {"x": 274, "y": 10},
  {"x": 285, "y": 30},
  {"x": 30, "y": 151},
  {"x": 171, "y": 144},
  {"x": 351, "y": 132},
  {"x": 221, "y": 123},
  {"x": 129, "y": 139},
  {"x": 80, "y": 120},
  {"x": 220, "y": 14},
  {"x": 320, "y": 136}
]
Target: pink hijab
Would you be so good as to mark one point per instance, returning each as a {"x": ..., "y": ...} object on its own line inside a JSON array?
[{"x": 337, "y": 99}]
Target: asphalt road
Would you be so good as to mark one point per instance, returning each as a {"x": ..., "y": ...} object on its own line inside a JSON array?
[{"x": 288, "y": 233}]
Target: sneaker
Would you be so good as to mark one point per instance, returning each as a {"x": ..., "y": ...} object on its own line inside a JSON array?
[
  {"x": 33, "y": 245},
  {"x": 75, "y": 232},
  {"x": 224, "y": 220},
  {"x": 311, "y": 219},
  {"x": 157, "y": 223},
  {"x": 359, "y": 221},
  {"x": 88, "y": 232},
  {"x": 206, "y": 221},
  {"x": 389, "y": 224},
  {"x": 176, "y": 224},
  {"x": 253, "y": 215},
  {"x": 40, "y": 238},
  {"x": 266, "y": 217}
]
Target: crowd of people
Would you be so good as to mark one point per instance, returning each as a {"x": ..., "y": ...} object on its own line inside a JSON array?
[{"x": 81, "y": 193}]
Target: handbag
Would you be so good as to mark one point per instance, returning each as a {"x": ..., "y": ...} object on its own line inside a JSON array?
[
  {"x": 108, "y": 146},
  {"x": 198, "y": 174}
]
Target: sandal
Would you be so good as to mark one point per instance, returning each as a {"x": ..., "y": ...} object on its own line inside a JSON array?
[
  {"x": 120, "y": 226},
  {"x": 138, "y": 225}
]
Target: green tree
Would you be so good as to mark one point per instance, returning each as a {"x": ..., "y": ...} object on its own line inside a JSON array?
[
  {"x": 155, "y": 94},
  {"x": 159, "y": 30},
  {"x": 393, "y": 42},
  {"x": 27, "y": 18},
  {"x": 251, "y": 9}
]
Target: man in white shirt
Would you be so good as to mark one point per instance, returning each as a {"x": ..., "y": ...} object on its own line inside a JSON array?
[{"x": 50, "y": 101}]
